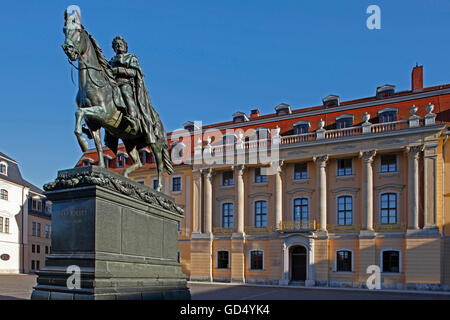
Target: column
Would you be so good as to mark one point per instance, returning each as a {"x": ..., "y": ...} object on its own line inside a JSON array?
[
  {"x": 430, "y": 180},
  {"x": 278, "y": 195},
  {"x": 239, "y": 174},
  {"x": 197, "y": 202},
  {"x": 321, "y": 163},
  {"x": 413, "y": 186},
  {"x": 208, "y": 175},
  {"x": 367, "y": 189}
]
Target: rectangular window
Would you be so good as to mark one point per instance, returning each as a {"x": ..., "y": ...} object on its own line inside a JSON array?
[
  {"x": 176, "y": 184},
  {"x": 38, "y": 265},
  {"x": 155, "y": 184},
  {"x": 6, "y": 225},
  {"x": 4, "y": 194},
  {"x": 345, "y": 210},
  {"x": 1, "y": 224},
  {"x": 301, "y": 171},
  {"x": 344, "y": 167},
  {"x": 38, "y": 229},
  {"x": 389, "y": 208},
  {"x": 33, "y": 229},
  {"x": 301, "y": 128},
  {"x": 33, "y": 248},
  {"x": 344, "y": 123},
  {"x": 259, "y": 178},
  {"x": 388, "y": 116},
  {"x": 389, "y": 163},
  {"x": 47, "y": 231},
  {"x": 227, "y": 178},
  {"x": 301, "y": 209},
  {"x": 256, "y": 260},
  {"x": 344, "y": 261},
  {"x": 46, "y": 249},
  {"x": 32, "y": 264},
  {"x": 260, "y": 214},
  {"x": 227, "y": 215},
  {"x": 391, "y": 261},
  {"x": 222, "y": 260},
  {"x": 143, "y": 157},
  {"x": 38, "y": 249},
  {"x": 120, "y": 161}
]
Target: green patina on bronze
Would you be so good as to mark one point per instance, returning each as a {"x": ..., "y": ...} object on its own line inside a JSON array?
[{"x": 112, "y": 95}]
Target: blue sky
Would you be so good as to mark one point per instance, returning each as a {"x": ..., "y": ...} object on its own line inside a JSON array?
[{"x": 205, "y": 60}]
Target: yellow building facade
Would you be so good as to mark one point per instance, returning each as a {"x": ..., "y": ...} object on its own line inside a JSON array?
[{"x": 329, "y": 193}]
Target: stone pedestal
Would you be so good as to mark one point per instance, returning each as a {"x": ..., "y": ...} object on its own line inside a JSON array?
[{"x": 120, "y": 235}]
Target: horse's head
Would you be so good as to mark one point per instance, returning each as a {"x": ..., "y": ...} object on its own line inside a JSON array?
[{"x": 75, "y": 44}]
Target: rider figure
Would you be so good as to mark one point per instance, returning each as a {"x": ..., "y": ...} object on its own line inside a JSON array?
[{"x": 125, "y": 67}]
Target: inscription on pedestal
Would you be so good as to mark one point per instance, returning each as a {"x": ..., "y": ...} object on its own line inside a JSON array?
[{"x": 73, "y": 226}]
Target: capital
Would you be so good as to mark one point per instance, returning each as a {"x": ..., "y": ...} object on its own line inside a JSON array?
[
  {"x": 321, "y": 160},
  {"x": 239, "y": 169},
  {"x": 367, "y": 156},
  {"x": 414, "y": 151}
]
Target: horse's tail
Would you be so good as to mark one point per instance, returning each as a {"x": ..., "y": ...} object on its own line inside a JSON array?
[{"x": 166, "y": 160}]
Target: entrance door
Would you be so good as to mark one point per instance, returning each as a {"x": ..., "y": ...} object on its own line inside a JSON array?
[{"x": 298, "y": 263}]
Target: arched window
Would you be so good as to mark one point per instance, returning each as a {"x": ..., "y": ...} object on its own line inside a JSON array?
[
  {"x": 4, "y": 194},
  {"x": 223, "y": 259},
  {"x": 260, "y": 213},
  {"x": 301, "y": 209},
  {"x": 227, "y": 215},
  {"x": 389, "y": 208},
  {"x": 343, "y": 261},
  {"x": 345, "y": 210}
]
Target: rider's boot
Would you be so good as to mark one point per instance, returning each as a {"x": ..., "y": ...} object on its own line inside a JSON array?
[{"x": 133, "y": 124}]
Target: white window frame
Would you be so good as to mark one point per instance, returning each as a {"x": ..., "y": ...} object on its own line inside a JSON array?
[
  {"x": 307, "y": 171},
  {"x": 254, "y": 212},
  {"x": 381, "y": 192},
  {"x": 344, "y": 194},
  {"x": 352, "y": 261},
  {"x": 400, "y": 266},
  {"x": 181, "y": 184},
  {"x": 217, "y": 259},
  {"x": 221, "y": 212},
  {"x": 6, "y": 167},
  {"x": 250, "y": 259}
]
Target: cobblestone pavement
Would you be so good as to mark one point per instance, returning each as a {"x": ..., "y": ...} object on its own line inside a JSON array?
[{"x": 14, "y": 287}]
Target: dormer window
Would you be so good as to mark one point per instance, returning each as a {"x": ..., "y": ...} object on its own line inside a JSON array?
[
  {"x": 301, "y": 127},
  {"x": 344, "y": 121},
  {"x": 36, "y": 204},
  {"x": 388, "y": 115},
  {"x": 107, "y": 160},
  {"x": 3, "y": 168},
  {"x": 86, "y": 162},
  {"x": 143, "y": 155},
  {"x": 121, "y": 160},
  {"x": 239, "y": 117},
  {"x": 385, "y": 91},
  {"x": 283, "y": 109},
  {"x": 331, "y": 101},
  {"x": 190, "y": 126}
]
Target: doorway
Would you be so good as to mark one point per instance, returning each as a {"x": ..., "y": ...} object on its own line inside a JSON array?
[{"x": 298, "y": 263}]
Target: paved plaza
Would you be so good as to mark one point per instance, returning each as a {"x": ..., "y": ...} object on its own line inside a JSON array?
[{"x": 18, "y": 287}]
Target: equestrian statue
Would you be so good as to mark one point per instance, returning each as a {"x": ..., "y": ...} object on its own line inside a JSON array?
[{"x": 112, "y": 95}]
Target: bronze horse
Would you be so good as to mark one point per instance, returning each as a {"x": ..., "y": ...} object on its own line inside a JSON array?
[{"x": 99, "y": 100}]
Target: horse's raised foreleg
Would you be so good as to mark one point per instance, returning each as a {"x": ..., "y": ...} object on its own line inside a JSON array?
[
  {"x": 98, "y": 144},
  {"x": 134, "y": 155},
  {"x": 96, "y": 113}
]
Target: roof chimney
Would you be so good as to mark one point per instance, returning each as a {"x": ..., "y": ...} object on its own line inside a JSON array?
[
  {"x": 254, "y": 114},
  {"x": 417, "y": 78}
]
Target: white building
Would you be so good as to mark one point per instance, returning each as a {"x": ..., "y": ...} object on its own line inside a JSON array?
[{"x": 23, "y": 215}]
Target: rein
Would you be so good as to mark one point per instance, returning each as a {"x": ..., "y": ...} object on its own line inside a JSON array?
[{"x": 87, "y": 67}]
